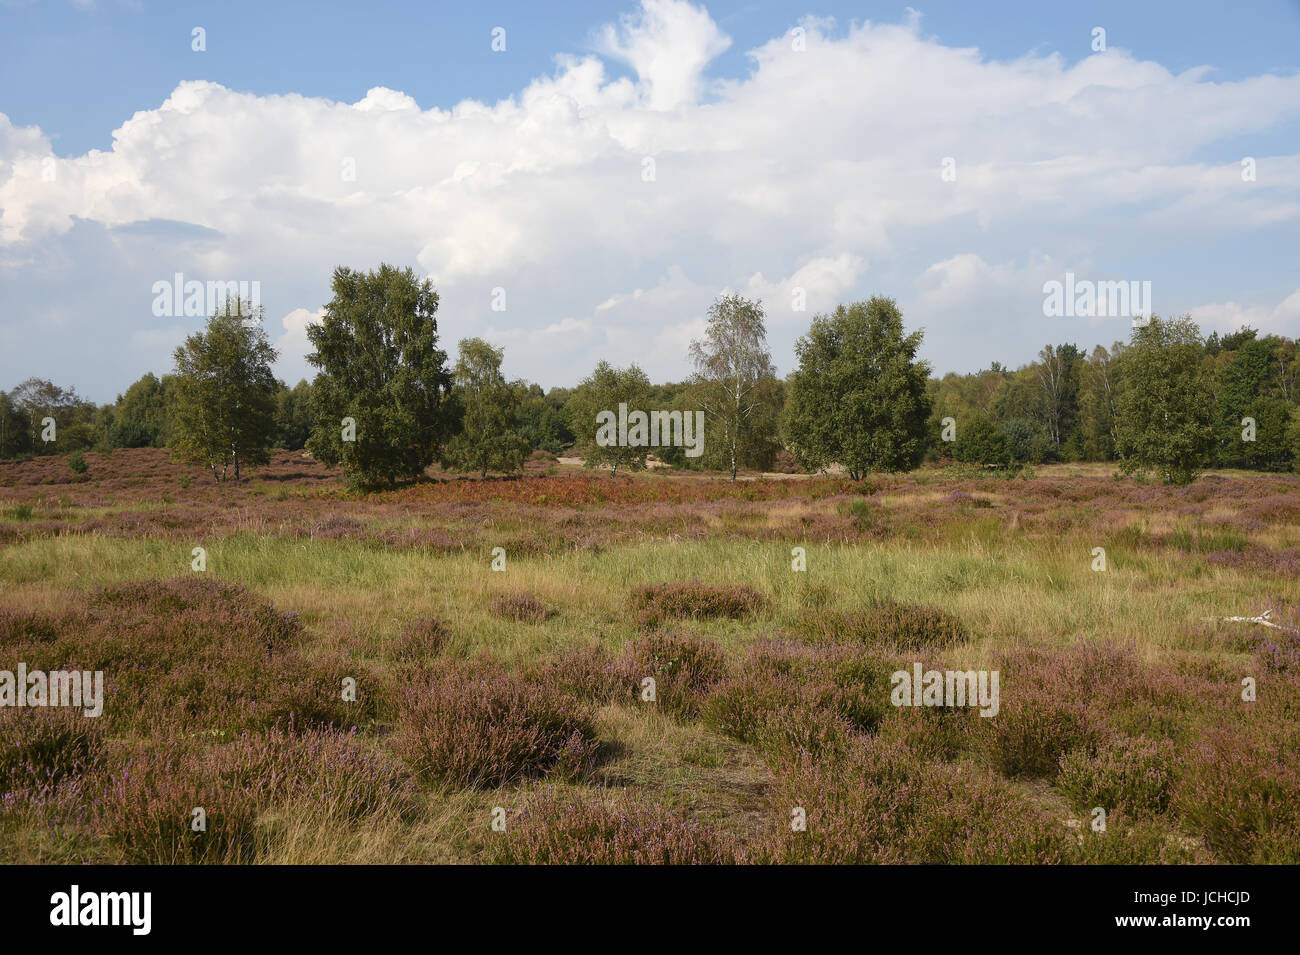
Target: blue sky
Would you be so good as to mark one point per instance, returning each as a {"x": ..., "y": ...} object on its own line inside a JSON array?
[
  {"x": 775, "y": 172},
  {"x": 77, "y": 70}
]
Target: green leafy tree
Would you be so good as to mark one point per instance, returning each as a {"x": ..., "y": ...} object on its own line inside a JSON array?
[
  {"x": 736, "y": 386},
  {"x": 15, "y": 429},
  {"x": 1098, "y": 387},
  {"x": 141, "y": 415},
  {"x": 858, "y": 397},
  {"x": 380, "y": 366},
  {"x": 1057, "y": 371},
  {"x": 489, "y": 439},
  {"x": 543, "y": 419},
  {"x": 293, "y": 416},
  {"x": 74, "y": 426},
  {"x": 224, "y": 414},
  {"x": 1270, "y": 450},
  {"x": 981, "y": 441},
  {"x": 603, "y": 391},
  {"x": 1241, "y": 377},
  {"x": 1293, "y": 440},
  {"x": 1028, "y": 441},
  {"x": 1165, "y": 406}
]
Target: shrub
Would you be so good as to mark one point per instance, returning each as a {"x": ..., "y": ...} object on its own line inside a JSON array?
[
  {"x": 899, "y": 626},
  {"x": 28, "y": 626},
  {"x": 864, "y": 519},
  {"x": 421, "y": 637},
  {"x": 790, "y": 699},
  {"x": 1132, "y": 842},
  {"x": 1030, "y": 737},
  {"x": 684, "y": 669},
  {"x": 884, "y": 804},
  {"x": 1133, "y": 775},
  {"x": 692, "y": 599},
  {"x": 197, "y": 654},
  {"x": 520, "y": 607},
  {"x": 330, "y": 771},
  {"x": 483, "y": 726},
  {"x": 78, "y": 463},
  {"x": 147, "y": 811},
  {"x": 42, "y": 746},
  {"x": 1045, "y": 704},
  {"x": 1242, "y": 797},
  {"x": 590, "y": 673},
  {"x": 555, "y": 831}
]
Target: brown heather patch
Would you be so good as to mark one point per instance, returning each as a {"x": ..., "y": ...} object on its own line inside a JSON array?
[
  {"x": 792, "y": 698},
  {"x": 1132, "y": 775},
  {"x": 40, "y": 747},
  {"x": 420, "y": 638},
  {"x": 883, "y": 803},
  {"x": 694, "y": 600},
  {"x": 196, "y": 653},
  {"x": 520, "y": 607},
  {"x": 137, "y": 493},
  {"x": 684, "y": 668},
  {"x": 217, "y": 698},
  {"x": 480, "y": 725},
  {"x": 555, "y": 829},
  {"x": 891, "y": 625},
  {"x": 1242, "y": 795}
]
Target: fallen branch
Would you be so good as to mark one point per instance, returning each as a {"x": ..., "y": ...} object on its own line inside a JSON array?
[{"x": 1262, "y": 620}]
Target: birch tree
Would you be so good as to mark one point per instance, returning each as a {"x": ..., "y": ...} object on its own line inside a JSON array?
[{"x": 735, "y": 385}]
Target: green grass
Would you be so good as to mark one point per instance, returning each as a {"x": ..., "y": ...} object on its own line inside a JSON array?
[{"x": 1039, "y": 590}]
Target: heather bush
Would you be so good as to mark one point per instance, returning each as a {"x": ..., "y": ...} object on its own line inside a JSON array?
[
  {"x": 934, "y": 733},
  {"x": 1242, "y": 796},
  {"x": 1131, "y": 842},
  {"x": 420, "y": 638},
  {"x": 19, "y": 627},
  {"x": 590, "y": 673},
  {"x": 200, "y": 653},
  {"x": 41, "y": 746},
  {"x": 324, "y": 769},
  {"x": 884, "y": 804},
  {"x": 685, "y": 668},
  {"x": 694, "y": 600},
  {"x": 1133, "y": 775},
  {"x": 481, "y": 725},
  {"x": 310, "y": 695},
  {"x": 793, "y": 698},
  {"x": 521, "y": 607},
  {"x": 553, "y": 830},
  {"x": 146, "y": 810},
  {"x": 1033, "y": 730},
  {"x": 1047, "y": 704},
  {"x": 898, "y": 626},
  {"x": 1277, "y": 650}
]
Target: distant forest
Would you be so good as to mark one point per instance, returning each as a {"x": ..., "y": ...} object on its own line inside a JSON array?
[{"x": 1063, "y": 407}]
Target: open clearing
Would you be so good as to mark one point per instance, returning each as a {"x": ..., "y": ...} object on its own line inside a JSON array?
[{"x": 515, "y": 696}]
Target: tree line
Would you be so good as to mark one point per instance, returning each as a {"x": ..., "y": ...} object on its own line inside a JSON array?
[{"x": 387, "y": 401}]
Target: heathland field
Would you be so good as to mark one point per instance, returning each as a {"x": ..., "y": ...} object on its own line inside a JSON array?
[{"x": 500, "y": 715}]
